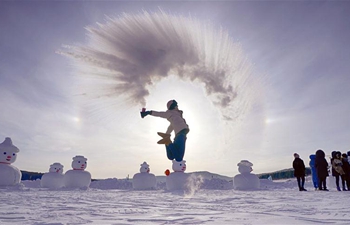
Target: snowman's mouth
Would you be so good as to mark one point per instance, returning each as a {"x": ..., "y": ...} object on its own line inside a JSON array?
[{"x": 8, "y": 159}]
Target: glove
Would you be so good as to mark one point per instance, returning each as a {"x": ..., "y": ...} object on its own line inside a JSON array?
[{"x": 145, "y": 113}]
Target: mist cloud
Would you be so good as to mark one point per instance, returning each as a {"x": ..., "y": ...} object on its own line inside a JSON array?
[{"x": 128, "y": 54}]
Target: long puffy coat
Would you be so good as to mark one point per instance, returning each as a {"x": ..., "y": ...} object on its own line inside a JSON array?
[
  {"x": 299, "y": 167},
  {"x": 313, "y": 169},
  {"x": 321, "y": 165},
  {"x": 334, "y": 172},
  {"x": 346, "y": 165}
]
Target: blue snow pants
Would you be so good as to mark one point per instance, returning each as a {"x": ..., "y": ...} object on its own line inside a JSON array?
[
  {"x": 314, "y": 177},
  {"x": 176, "y": 150}
]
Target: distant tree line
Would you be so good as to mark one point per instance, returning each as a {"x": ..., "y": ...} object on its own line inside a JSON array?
[
  {"x": 282, "y": 174},
  {"x": 278, "y": 175},
  {"x": 26, "y": 175},
  {"x": 30, "y": 175}
]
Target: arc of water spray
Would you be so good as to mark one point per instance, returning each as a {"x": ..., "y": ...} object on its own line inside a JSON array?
[{"x": 128, "y": 54}]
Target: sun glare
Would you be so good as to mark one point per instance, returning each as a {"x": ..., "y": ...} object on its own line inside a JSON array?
[{"x": 269, "y": 120}]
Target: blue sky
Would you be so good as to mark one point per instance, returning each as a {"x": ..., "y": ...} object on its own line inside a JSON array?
[{"x": 298, "y": 50}]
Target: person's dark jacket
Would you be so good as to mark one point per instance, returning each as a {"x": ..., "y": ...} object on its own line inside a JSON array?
[
  {"x": 299, "y": 167},
  {"x": 321, "y": 164},
  {"x": 346, "y": 165}
]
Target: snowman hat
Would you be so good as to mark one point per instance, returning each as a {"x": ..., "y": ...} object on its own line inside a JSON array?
[
  {"x": 245, "y": 163},
  {"x": 56, "y": 164},
  {"x": 8, "y": 146},
  {"x": 79, "y": 157},
  {"x": 144, "y": 164},
  {"x": 171, "y": 104}
]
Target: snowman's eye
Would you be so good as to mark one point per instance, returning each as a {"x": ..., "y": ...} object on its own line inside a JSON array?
[
  {"x": 14, "y": 154},
  {"x": 78, "y": 161},
  {"x": 5, "y": 153},
  {"x": 180, "y": 164}
]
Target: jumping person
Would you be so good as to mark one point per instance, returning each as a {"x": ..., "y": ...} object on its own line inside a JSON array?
[{"x": 175, "y": 150}]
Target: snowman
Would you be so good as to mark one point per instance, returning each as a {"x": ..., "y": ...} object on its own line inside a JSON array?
[
  {"x": 77, "y": 177},
  {"x": 54, "y": 178},
  {"x": 144, "y": 180},
  {"x": 9, "y": 175},
  {"x": 245, "y": 180},
  {"x": 177, "y": 179}
]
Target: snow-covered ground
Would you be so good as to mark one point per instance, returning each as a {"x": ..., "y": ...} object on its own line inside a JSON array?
[{"x": 113, "y": 201}]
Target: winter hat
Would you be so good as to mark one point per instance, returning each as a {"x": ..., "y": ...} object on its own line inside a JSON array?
[
  {"x": 338, "y": 154},
  {"x": 296, "y": 155},
  {"x": 320, "y": 153},
  {"x": 344, "y": 155},
  {"x": 8, "y": 146},
  {"x": 333, "y": 154},
  {"x": 171, "y": 104}
]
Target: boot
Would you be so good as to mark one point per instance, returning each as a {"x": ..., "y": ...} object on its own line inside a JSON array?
[
  {"x": 338, "y": 188},
  {"x": 163, "y": 135},
  {"x": 166, "y": 139}
]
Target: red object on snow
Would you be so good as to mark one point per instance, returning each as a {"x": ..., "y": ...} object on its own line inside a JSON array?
[
  {"x": 143, "y": 109},
  {"x": 167, "y": 172}
]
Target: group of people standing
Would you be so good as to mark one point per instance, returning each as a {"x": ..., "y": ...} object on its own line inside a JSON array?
[{"x": 339, "y": 165}]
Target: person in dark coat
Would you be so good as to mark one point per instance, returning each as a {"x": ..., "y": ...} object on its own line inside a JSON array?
[
  {"x": 299, "y": 171},
  {"x": 337, "y": 170},
  {"x": 346, "y": 169},
  {"x": 321, "y": 165}
]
